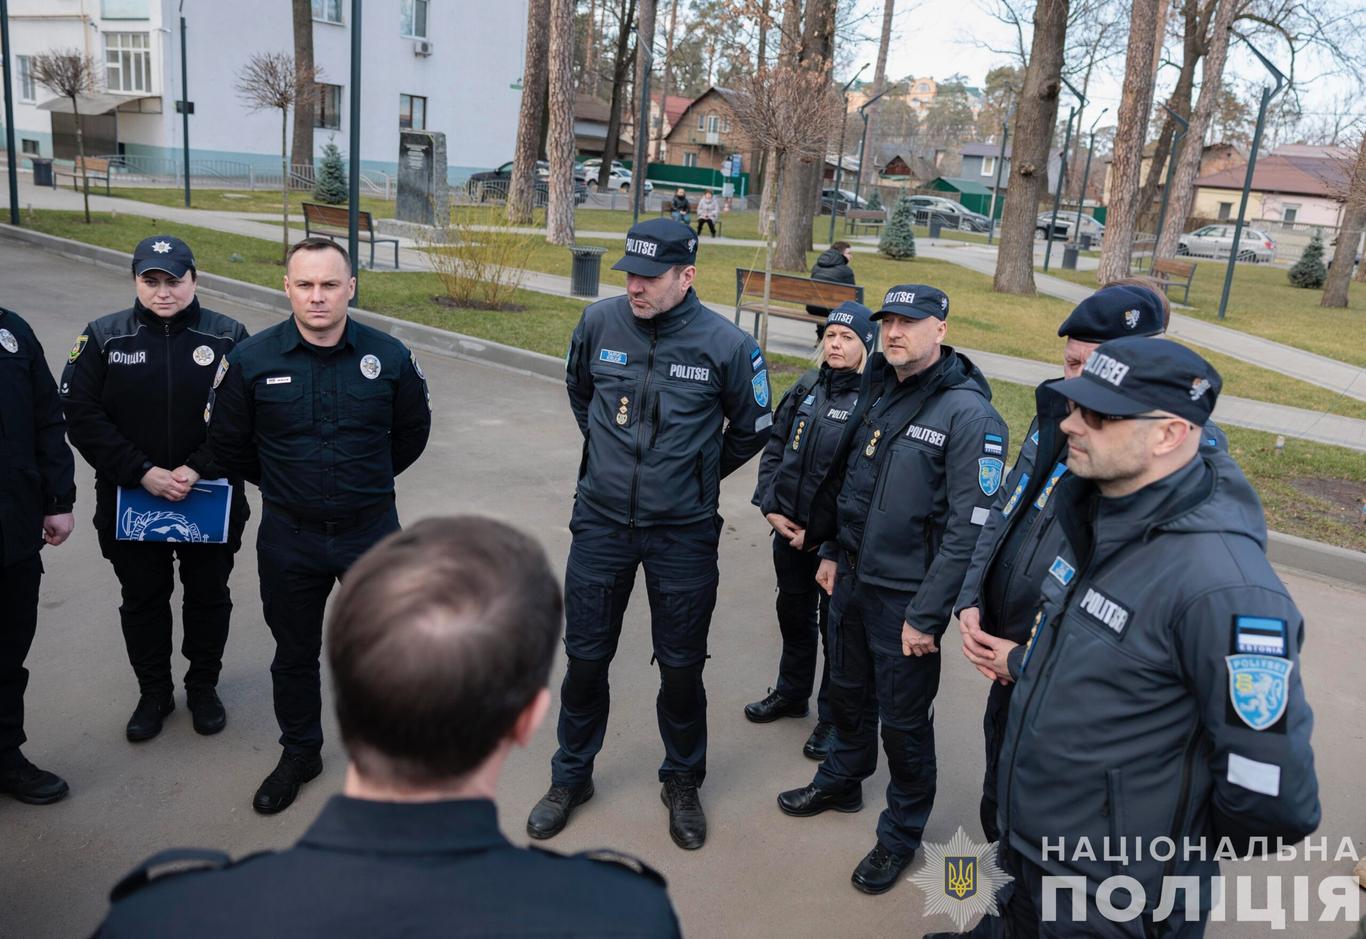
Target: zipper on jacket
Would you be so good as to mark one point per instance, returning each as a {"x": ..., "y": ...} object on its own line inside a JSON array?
[
  {"x": 1183, "y": 803},
  {"x": 170, "y": 440},
  {"x": 644, "y": 396},
  {"x": 654, "y": 422}
]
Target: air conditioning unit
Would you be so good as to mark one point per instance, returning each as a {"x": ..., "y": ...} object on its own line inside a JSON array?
[{"x": 422, "y": 47}]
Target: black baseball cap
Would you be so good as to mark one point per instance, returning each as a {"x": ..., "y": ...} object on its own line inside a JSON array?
[
  {"x": 917, "y": 301},
  {"x": 163, "y": 253},
  {"x": 1113, "y": 312},
  {"x": 1138, "y": 374},
  {"x": 654, "y": 246}
]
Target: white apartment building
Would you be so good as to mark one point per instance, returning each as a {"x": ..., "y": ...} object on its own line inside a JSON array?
[{"x": 444, "y": 65}]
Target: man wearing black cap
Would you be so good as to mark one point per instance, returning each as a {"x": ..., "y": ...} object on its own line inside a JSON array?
[
  {"x": 670, "y": 398},
  {"x": 321, "y": 413},
  {"x": 1020, "y": 538},
  {"x": 1158, "y": 697},
  {"x": 134, "y": 391},
  {"x": 37, "y": 492},
  {"x": 922, "y": 460}
]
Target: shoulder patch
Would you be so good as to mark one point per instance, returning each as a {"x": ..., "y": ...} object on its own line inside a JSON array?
[
  {"x": 1259, "y": 688},
  {"x": 990, "y": 471},
  {"x": 168, "y": 864},
  {"x": 993, "y": 444},
  {"x": 760, "y": 386},
  {"x": 412, "y": 356},
  {"x": 756, "y": 359},
  {"x": 616, "y": 858},
  {"x": 1062, "y": 571},
  {"x": 78, "y": 348}
]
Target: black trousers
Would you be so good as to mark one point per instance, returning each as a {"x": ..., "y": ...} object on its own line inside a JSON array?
[
  {"x": 803, "y": 608},
  {"x": 993, "y": 732},
  {"x": 709, "y": 223},
  {"x": 298, "y": 570},
  {"x": 18, "y": 622}
]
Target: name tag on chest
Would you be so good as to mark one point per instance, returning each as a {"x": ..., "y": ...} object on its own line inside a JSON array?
[
  {"x": 927, "y": 435},
  {"x": 1106, "y": 611}
]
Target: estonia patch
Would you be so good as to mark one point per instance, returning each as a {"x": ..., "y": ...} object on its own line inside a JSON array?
[
  {"x": 609, "y": 355},
  {"x": 993, "y": 443},
  {"x": 759, "y": 383},
  {"x": 1062, "y": 571},
  {"x": 756, "y": 360},
  {"x": 1259, "y": 635},
  {"x": 990, "y": 471}
]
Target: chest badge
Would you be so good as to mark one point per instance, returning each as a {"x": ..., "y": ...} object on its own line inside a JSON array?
[
  {"x": 797, "y": 437},
  {"x": 203, "y": 355},
  {"x": 8, "y": 342},
  {"x": 869, "y": 450},
  {"x": 623, "y": 414},
  {"x": 369, "y": 367}
]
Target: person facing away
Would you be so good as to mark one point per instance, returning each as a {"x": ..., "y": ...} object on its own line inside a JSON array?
[
  {"x": 440, "y": 645},
  {"x": 832, "y": 265}
]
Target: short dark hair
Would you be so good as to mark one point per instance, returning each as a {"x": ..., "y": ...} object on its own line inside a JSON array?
[
  {"x": 1154, "y": 287},
  {"x": 316, "y": 243},
  {"x": 840, "y": 246},
  {"x": 440, "y": 637}
]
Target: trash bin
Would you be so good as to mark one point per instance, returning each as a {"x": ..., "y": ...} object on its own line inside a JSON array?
[
  {"x": 936, "y": 226},
  {"x": 583, "y": 280},
  {"x": 1069, "y": 257},
  {"x": 42, "y": 172}
]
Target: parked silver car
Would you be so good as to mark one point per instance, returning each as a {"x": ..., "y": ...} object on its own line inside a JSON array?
[{"x": 1216, "y": 241}]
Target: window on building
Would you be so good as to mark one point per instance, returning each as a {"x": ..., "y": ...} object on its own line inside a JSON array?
[
  {"x": 713, "y": 123},
  {"x": 329, "y": 11},
  {"x": 413, "y": 19},
  {"x": 327, "y": 110},
  {"x": 923, "y": 88},
  {"x": 701, "y": 121},
  {"x": 125, "y": 9},
  {"x": 1225, "y": 210},
  {"x": 127, "y": 62},
  {"x": 989, "y": 166},
  {"x": 412, "y": 112},
  {"x": 1290, "y": 213},
  {"x": 28, "y": 146},
  {"x": 28, "y": 90},
  {"x": 690, "y": 159},
  {"x": 725, "y": 124}
]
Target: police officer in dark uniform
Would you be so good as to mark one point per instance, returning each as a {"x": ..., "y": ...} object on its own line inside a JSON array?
[
  {"x": 1158, "y": 697},
  {"x": 807, "y": 427},
  {"x": 1020, "y": 538},
  {"x": 134, "y": 392},
  {"x": 440, "y": 645},
  {"x": 321, "y": 412},
  {"x": 921, "y": 462},
  {"x": 37, "y": 491},
  {"x": 671, "y": 398}
]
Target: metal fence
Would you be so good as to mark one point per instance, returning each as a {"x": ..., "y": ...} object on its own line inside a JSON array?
[{"x": 230, "y": 174}]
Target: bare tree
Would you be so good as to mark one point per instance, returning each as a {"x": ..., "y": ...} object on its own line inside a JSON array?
[
  {"x": 1349, "y": 235},
  {"x": 1034, "y": 118},
  {"x": 1122, "y": 215},
  {"x": 270, "y": 81},
  {"x": 805, "y": 168},
  {"x": 790, "y": 111},
  {"x": 645, "y": 43},
  {"x": 621, "y": 71},
  {"x": 305, "y": 110},
  {"x": 522, "y": 185},
  {"x": 71, "y": 74},
  {"x": 879, "y": 86},
  {"x": 560, "y": 136}
]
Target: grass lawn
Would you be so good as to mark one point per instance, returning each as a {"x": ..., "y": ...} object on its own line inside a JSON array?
[
  {"x": 1309, "y": 489},
  {"x": 241, "y": 200},
  {"x": 1263, "y": 303}
]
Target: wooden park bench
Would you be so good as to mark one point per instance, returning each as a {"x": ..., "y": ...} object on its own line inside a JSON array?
[
  {"x": 333, "y": 221},
  {"x": 95, "y": 169},
  {"x": 1143, "y": 252},
  {"x": 872, "y": 219},
  {"x": 788, "y": 295},
  {"x": 1171, "y": 273},
  {"x": 666, "y": 211}
]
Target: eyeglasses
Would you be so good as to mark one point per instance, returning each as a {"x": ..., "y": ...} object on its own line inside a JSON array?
[{"x": 1096, "y": 420}]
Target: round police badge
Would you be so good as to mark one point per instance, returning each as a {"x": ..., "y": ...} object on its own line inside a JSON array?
[
  {"x": 203, "y": 355},
  {"x": 417, "y": 368},
  {"x": 8, "y": 341},
  {"x": 369, "y": 367}
]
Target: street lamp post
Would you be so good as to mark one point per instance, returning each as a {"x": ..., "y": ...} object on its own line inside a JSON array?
[
  {"x": 1182, "y": 126},
  {"x": 1000, "y": 164},
  {"x": 184, "y": 105},
  {"x": 839, "y": 160},
  {"x": 1062, "y": 174},
  {"x": 11, "y": 161},
  {"x": 863, "y": 137},
  {"x": 353, "y": 194},
  {"x": 1086, "y": 175},
  {"x": 638, "y": 168},
  {"x": 1267, "y": 95}
]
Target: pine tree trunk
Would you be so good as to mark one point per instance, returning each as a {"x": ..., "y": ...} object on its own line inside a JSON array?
[
  {"x": 1180, "y": 102},
  {"x": 1349, "y": 236},
  {"x": 645, "y": 42},
  {"x": 284, "y": 184},
  {"x": 1035, "y": 117},
  {"x": 522, "y": 186},
  {"x": 1182, "y": 181},
  {"x": 560, "y": 136},
  {"x": 80, "y": 153},
  {"x": 665, "y": 74},
  {"x": 305, "y": 107},
  {"x": 1122, "y": 215},
  {"x": 868, "y": 153},
  {"x": 620, "y": 70},
  {"x": 797, "y": 209}
]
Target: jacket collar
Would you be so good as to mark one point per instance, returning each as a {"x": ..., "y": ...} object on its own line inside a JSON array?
[
  {"x": 456, "y": 826},
  {"x": 291, "y": 338},
  {"x": 670, "y": 320},
  {"x": 177, "y": 322}
]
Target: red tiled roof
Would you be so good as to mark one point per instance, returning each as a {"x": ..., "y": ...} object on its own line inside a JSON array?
[
  {"x": 1309, "y": 176},
  {"x": 674, "y": 106}
]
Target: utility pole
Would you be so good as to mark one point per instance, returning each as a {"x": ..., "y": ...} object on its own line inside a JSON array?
[
  {"x": 1000, "y": 166},
  {"x": 184, "y": 105},
  {"x": 11, "y": 159},
  {"x": 839, "y": 160},
  {"x": 1062, "y": 174},
  {"x": 353, "y": 208}
]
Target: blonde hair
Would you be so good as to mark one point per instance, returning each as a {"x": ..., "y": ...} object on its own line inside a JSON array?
[{"x": 819, "y": 357}]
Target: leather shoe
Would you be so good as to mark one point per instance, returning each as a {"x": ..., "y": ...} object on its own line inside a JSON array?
[
  {"x": 278, "y": 791},
  {"x": 773, "y": 707},
  {"x": 28, "y": 783},
  {"x": 687, "y": 823},
  {"x": 879, "y": 870},
  {"x": 206, "y": 710},
  {"x": 549, "y": 816},
  {"x": 813, "y": 800},
  {"x": 818, "y": 745},
  {"x": 148, "y": 716}
]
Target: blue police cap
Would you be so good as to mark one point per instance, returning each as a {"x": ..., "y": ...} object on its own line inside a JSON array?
[
  {"x": 654, "y": 246},
  {"x": 917, "y": 301},
  {"x": 1114, "y": 312},
  {"x": 163, "y": 253},
  {"x": 1138, "y": 374},
  {"x": 857, "y": 317}
]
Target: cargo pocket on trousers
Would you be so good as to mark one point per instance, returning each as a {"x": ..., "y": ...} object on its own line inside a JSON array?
[
  {"x": 680, "y": 624},
  {"x": 587, "y": 618}
]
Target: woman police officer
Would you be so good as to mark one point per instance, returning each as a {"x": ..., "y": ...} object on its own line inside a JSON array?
[
  {"x": 806, "y": 429},
  {"x": 135, "y": 392}
]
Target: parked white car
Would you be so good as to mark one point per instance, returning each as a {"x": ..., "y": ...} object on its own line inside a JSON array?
[{"x": 1216, "y": 241}]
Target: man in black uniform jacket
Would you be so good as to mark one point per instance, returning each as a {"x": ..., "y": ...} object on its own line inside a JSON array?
[
  {"x": 440, "y": 646},
  {"x": 37, "y": 491},
  {"x": 320, "y": 412}
]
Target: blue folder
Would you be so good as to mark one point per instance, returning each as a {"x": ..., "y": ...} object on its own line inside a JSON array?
[{"x": 201, "y": 517}]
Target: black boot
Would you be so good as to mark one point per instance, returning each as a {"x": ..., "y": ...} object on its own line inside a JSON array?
[
  {"x": 207, "y": 711},
  {"x": 549, "y": 816},
  {"x": 687, "y": 823},
  {"x": 28, "y": 783},
  {"x": 820, "y": 741},
  {"x": 148, "y": 716},
  {"x": 813, "y": 800},
  {"x": 773, "y": 707},
  {"x": 278, "y": 790},
  {"x": 879, "y": 870}
]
